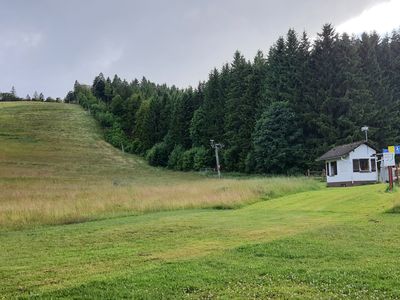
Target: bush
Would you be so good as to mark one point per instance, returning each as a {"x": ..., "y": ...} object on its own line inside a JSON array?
[
  {"x": 188, "y": 159},
  {"x": 158, "y": 155},
  {"x": 250, "y": 162},
  {"x": 175, "y": 158},
  {"x": 106, "y": 119},
  {"x": 200, "y": 158},
  {"x": 115, "y": 135}
]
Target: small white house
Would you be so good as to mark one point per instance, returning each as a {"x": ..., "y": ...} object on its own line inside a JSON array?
[{"x": 351, "y": 164}]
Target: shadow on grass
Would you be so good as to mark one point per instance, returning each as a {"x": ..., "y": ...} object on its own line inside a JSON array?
[{"x": 395, "y": 209}]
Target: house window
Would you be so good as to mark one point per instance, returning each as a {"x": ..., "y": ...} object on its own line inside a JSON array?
[
  {"x": 356, "y": 165},
  {"x": 327, "y": 170},
  {"x": 333, "y": 168},
  {"x": 373, "y": 165},
  {"x": 364, "y": 165}
]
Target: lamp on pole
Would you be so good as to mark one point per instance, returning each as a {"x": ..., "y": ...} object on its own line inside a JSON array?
[
  {"x": 217, "y": 146},
  {"x": 365, "y": 129}
]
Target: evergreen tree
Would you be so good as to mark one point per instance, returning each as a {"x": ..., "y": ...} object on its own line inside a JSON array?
[
  {"x": 299, "y": 97},
  {"x": 98, "y": 87},
  {"x": 237, "y": 124},
  {"x": 13, "y": 92},
  {"x": 277, "y": 147}
]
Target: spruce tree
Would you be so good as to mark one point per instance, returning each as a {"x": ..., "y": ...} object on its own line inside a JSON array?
[{"x": 237, "y": 123}]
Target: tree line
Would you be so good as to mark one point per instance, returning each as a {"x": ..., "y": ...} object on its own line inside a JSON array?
[
  {"x": 275, "y": 114},
  {"x": 12, "y": 96}
]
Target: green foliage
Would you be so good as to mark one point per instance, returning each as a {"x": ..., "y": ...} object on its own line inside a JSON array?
[
  {"x": 106, "y": 119},
  {"x": 277, "y": 144},
  {"x": 158, "y": 155},
  {"x": 333, "y": 86},
  {"x": 117, "y": 106},
  {"x": 188, "y": 158},
  {"x": 98, "y": 87},
  {"x": 201, "y": 158},
  {"x": 175, "y": 158},
  {"x": 115, "y": 135}
]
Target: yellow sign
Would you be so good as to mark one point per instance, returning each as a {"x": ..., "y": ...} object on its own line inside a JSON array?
[{"x": 391, "y": 149}]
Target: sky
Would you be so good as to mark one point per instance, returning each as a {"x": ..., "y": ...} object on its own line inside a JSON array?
[{"x": 45, "y": 45}]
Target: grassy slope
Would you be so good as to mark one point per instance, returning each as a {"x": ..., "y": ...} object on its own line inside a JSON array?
[
  {"x": 330, "y": 243},
  {"x": 55, "y": 168}
]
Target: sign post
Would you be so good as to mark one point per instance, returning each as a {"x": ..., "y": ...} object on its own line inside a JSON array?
[
  {"x": 389, "y": 162},
  {"x": 390, "y": 178}
]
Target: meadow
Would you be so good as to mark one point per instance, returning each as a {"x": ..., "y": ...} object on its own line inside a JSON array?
[
  {"x": 55, "y": 168},
  {"x": 81, "y": 220}
]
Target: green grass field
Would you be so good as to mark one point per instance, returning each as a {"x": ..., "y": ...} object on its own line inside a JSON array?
[{"x": 81, "y": 220}]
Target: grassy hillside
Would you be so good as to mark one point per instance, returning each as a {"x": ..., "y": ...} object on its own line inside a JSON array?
[
  {"x": 323, "y": 243},
  {"x": 55, "y": 168}
]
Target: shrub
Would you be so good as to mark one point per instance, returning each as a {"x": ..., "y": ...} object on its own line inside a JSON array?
[
  {"x": 115, "y": 135},
  {"x": 188, "y": 159},
  {"x": 250, "y": 162},
  {"x": 175, "y": 158},
  {"x": 200, "y": 158},
  {"x": 158, "y": 155},
  {"x": 106, "y": 119}
]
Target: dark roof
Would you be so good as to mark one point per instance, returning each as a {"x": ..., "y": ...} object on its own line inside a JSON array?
[{"x": 342, "y": 150}]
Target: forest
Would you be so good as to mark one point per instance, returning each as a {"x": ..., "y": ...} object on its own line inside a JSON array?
[{"x": 275, "y": 114}]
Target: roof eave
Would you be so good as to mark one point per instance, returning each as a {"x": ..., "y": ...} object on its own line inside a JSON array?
[{"x": 329, "y": 158}]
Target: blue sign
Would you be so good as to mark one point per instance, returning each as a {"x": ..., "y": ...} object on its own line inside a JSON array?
[{"x": 396, "y": 149}]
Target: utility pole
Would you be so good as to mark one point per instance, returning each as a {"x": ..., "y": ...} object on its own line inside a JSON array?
[
  {"x": 365, "y": 129},
  {"x": 217, "y": 146}
]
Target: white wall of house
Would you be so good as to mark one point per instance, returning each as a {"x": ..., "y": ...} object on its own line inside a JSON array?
[{"x": 345, "y": 167}]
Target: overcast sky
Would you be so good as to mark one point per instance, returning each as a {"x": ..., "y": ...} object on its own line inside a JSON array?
[{"x": 46, "y": 44}]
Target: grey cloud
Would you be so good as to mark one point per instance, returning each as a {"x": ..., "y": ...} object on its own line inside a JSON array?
[{"x": 46, "y": 44}]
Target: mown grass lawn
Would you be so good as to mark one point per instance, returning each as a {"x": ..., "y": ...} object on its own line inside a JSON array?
[
  {"x": 285, "y": 238},
  {"x": 334, "y": 243}
]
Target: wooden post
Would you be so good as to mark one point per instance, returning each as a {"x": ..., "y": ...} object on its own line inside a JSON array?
[{"x": 390, "y": 178}]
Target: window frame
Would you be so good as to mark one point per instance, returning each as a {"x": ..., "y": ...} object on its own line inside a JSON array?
[
  {"x": 373, "y": 165},
  {"x": 334, "y": 169},
  {"x": 358, "y": 161},
  {"x": 356, "y": 168},
  {"x": 368, "y": 168}
]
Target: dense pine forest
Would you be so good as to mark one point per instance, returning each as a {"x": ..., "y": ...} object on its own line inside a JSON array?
[{"x": 275, "y": 114}]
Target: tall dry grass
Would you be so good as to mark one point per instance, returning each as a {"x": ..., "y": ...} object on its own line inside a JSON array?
[
  {"x": 24, "y": 203},
  {"x": 56, "y": 168}
]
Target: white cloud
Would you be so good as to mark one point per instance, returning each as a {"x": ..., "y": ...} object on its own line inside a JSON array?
[
  {"x": 382, "y": 18},
  {"x": 32, "y": 39},
  {"x": 20, "y": 39},
  {"x": 110, "y": 56},
  {"x": 18, "y": 43}
]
